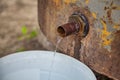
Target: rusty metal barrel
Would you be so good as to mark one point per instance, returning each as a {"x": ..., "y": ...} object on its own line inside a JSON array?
[{"x": 100, "y": 48}]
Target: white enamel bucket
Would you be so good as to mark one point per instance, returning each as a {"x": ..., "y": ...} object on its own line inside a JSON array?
[{"x": 43, "y": 65}]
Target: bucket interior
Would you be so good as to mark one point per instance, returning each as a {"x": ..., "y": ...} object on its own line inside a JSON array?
[{"x": 43, "y": 65}]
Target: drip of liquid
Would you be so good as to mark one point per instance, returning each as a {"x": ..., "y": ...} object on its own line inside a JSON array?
[
  {"x": 67, "y": 44},
  {"x": 58, "y": 42}
]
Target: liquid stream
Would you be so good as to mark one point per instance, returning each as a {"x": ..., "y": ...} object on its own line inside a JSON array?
[{"x": 58, "y": 42}]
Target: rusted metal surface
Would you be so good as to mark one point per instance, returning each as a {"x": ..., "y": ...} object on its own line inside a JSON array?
[
  {"x": 100, "y": 48},
  {"x": 67, "y": 29}
]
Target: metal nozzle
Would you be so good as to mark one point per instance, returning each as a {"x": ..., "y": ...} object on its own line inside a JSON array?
[{"x": 77, "y": 22}]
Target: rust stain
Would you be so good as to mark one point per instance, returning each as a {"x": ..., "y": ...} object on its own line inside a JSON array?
[
  {"x": 105, "y": 8},
  {"x": 57, "y": 2},
  {"x": 115, "y": 7},
  {"x": 87, "y": 1},
  {"x": 65, "y": 1},
  {"x": 105, "y": 34},
  {"x": 94, "y": 15},
  {"x": 69, "y": 1},
  {"x": 117, "y": 27},
  {"x": 109, "y": 13},
  {"x": 107, "y": 42},
  {"x": 111, "y": 3},
  {"x": 109, "y": 9}
]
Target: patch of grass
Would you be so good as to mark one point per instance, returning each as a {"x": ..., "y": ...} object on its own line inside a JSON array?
[
  {"x": 33, "y": 34},
  {"x": 27, "y": 35},
  {"x": 24, "y": 30}
]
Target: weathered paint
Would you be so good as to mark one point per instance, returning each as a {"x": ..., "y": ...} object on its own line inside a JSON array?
[
  {"x": 65, "y": 1},
  {"x": 105, "y": 34},
  {"x": 100, "y": 49},
  {"x": 117, "y": 27},
  {"x": 56, "y": 2},
  {"x": 69, "y": 1},
  {"x": 87, "y": 1},
  {"x": 94, "y": 15},
  {"x": 115, "y": 7}
]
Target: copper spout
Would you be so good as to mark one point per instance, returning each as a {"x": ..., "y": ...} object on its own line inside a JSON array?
[{"x": 67, "y": 29}]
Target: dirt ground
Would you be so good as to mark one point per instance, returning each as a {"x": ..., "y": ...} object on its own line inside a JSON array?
[{"x": 14, "y": 14}]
